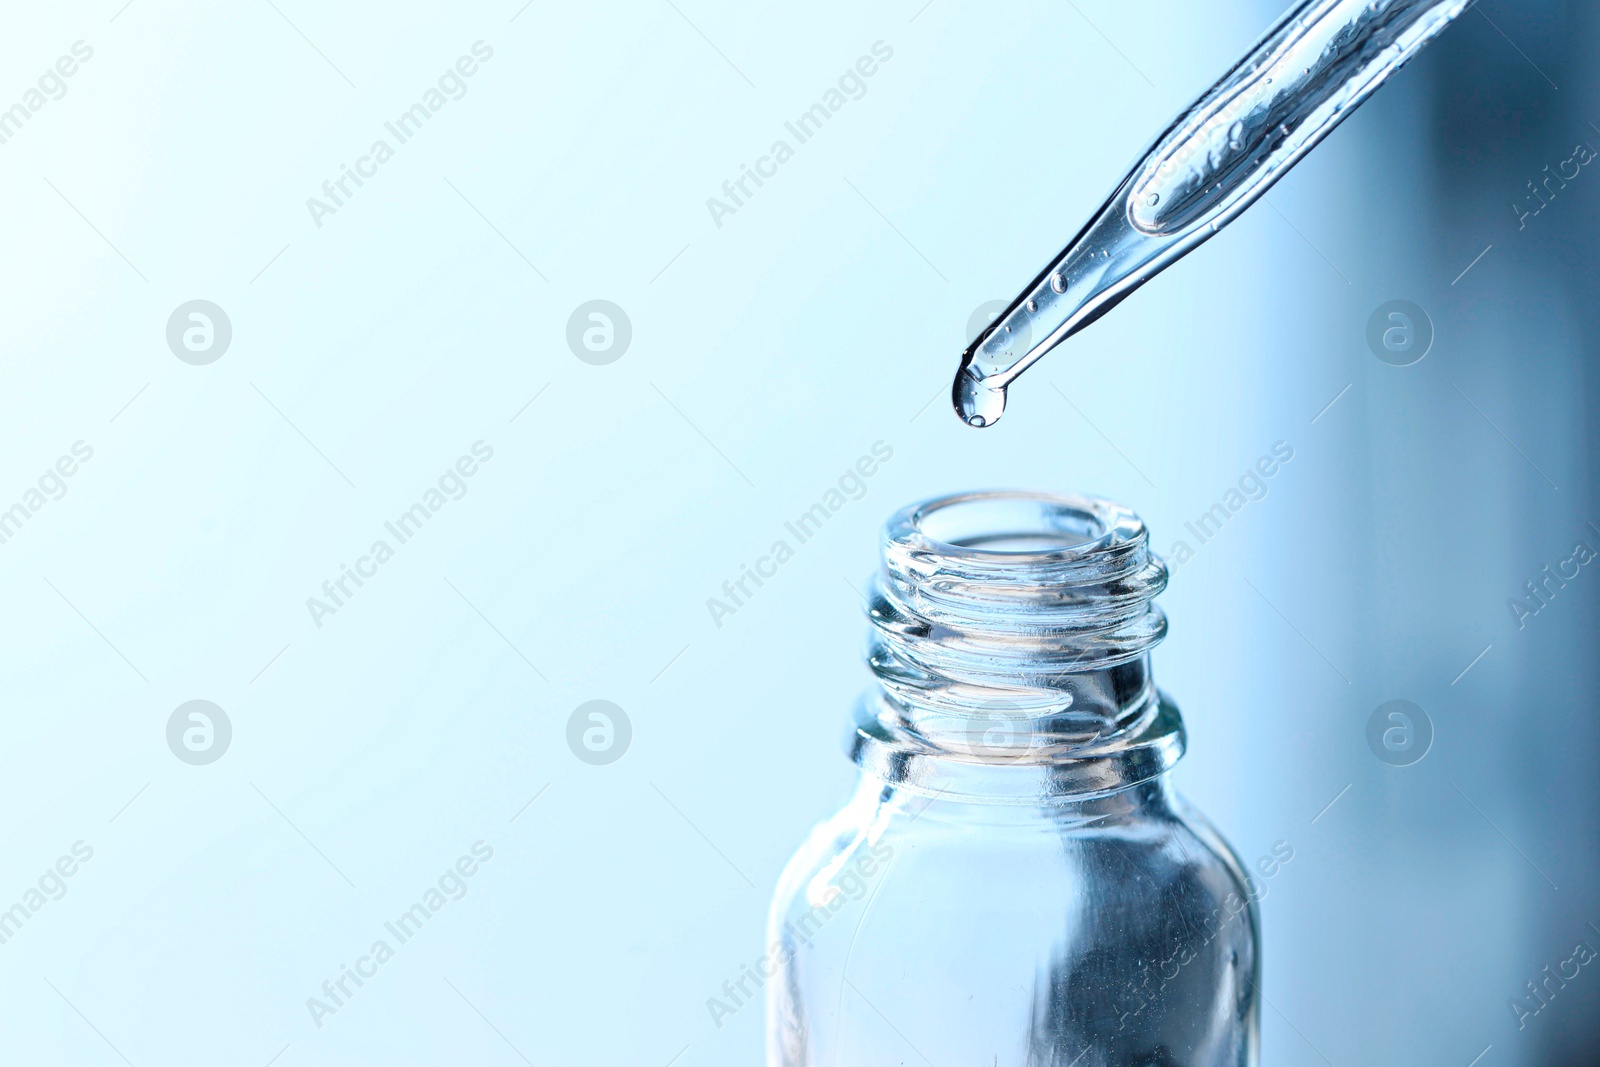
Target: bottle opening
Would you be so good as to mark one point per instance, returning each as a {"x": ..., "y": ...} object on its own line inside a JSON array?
[
  {"x": 1009, "y": 523},
  {"x": 1046, "y": 575},
  {"x": 1013, "y": 627}
]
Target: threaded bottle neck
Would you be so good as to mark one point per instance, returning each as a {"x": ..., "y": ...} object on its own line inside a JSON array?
[{"x": 1014, "y": 628}]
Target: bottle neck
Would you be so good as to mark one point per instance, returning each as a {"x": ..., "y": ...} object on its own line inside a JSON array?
[
  {"x": 1010, "y": 642},
  {"x": 945, "y": 803}
]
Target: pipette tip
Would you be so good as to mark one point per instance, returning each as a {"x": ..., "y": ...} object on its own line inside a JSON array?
[{"x": 979, "y": 403}]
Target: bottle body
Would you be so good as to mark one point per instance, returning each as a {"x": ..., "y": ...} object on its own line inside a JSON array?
[
  {"x": 1097, "y": 933},
  {"x": 1013, "y": 882}
]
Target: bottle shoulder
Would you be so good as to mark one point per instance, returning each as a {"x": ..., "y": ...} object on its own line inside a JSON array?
[{"x": 1143, "y": 844}]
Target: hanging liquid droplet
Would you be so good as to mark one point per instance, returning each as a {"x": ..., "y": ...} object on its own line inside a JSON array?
[
  {"x": 1058, "y": 283},
  {"x": 1033, "y": 306},
  {"x": 1153, "y": 199},
  {"x": 978, "y": 403}
]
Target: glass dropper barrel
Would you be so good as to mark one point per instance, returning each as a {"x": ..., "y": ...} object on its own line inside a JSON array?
[{"x": 1305, "y": 76}]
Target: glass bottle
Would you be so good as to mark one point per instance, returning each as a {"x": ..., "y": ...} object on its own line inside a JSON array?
[{"x": 1013, "y": 881}]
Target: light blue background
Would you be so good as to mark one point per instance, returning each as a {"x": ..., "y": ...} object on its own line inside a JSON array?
[{"x": 768, "y": 354}]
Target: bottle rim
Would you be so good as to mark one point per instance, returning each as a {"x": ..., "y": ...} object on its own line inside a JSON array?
[{"x": 1012, "y": 628}]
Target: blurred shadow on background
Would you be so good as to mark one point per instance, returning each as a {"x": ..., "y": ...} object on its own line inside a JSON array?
[{"x": 1513, "y": 94}]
